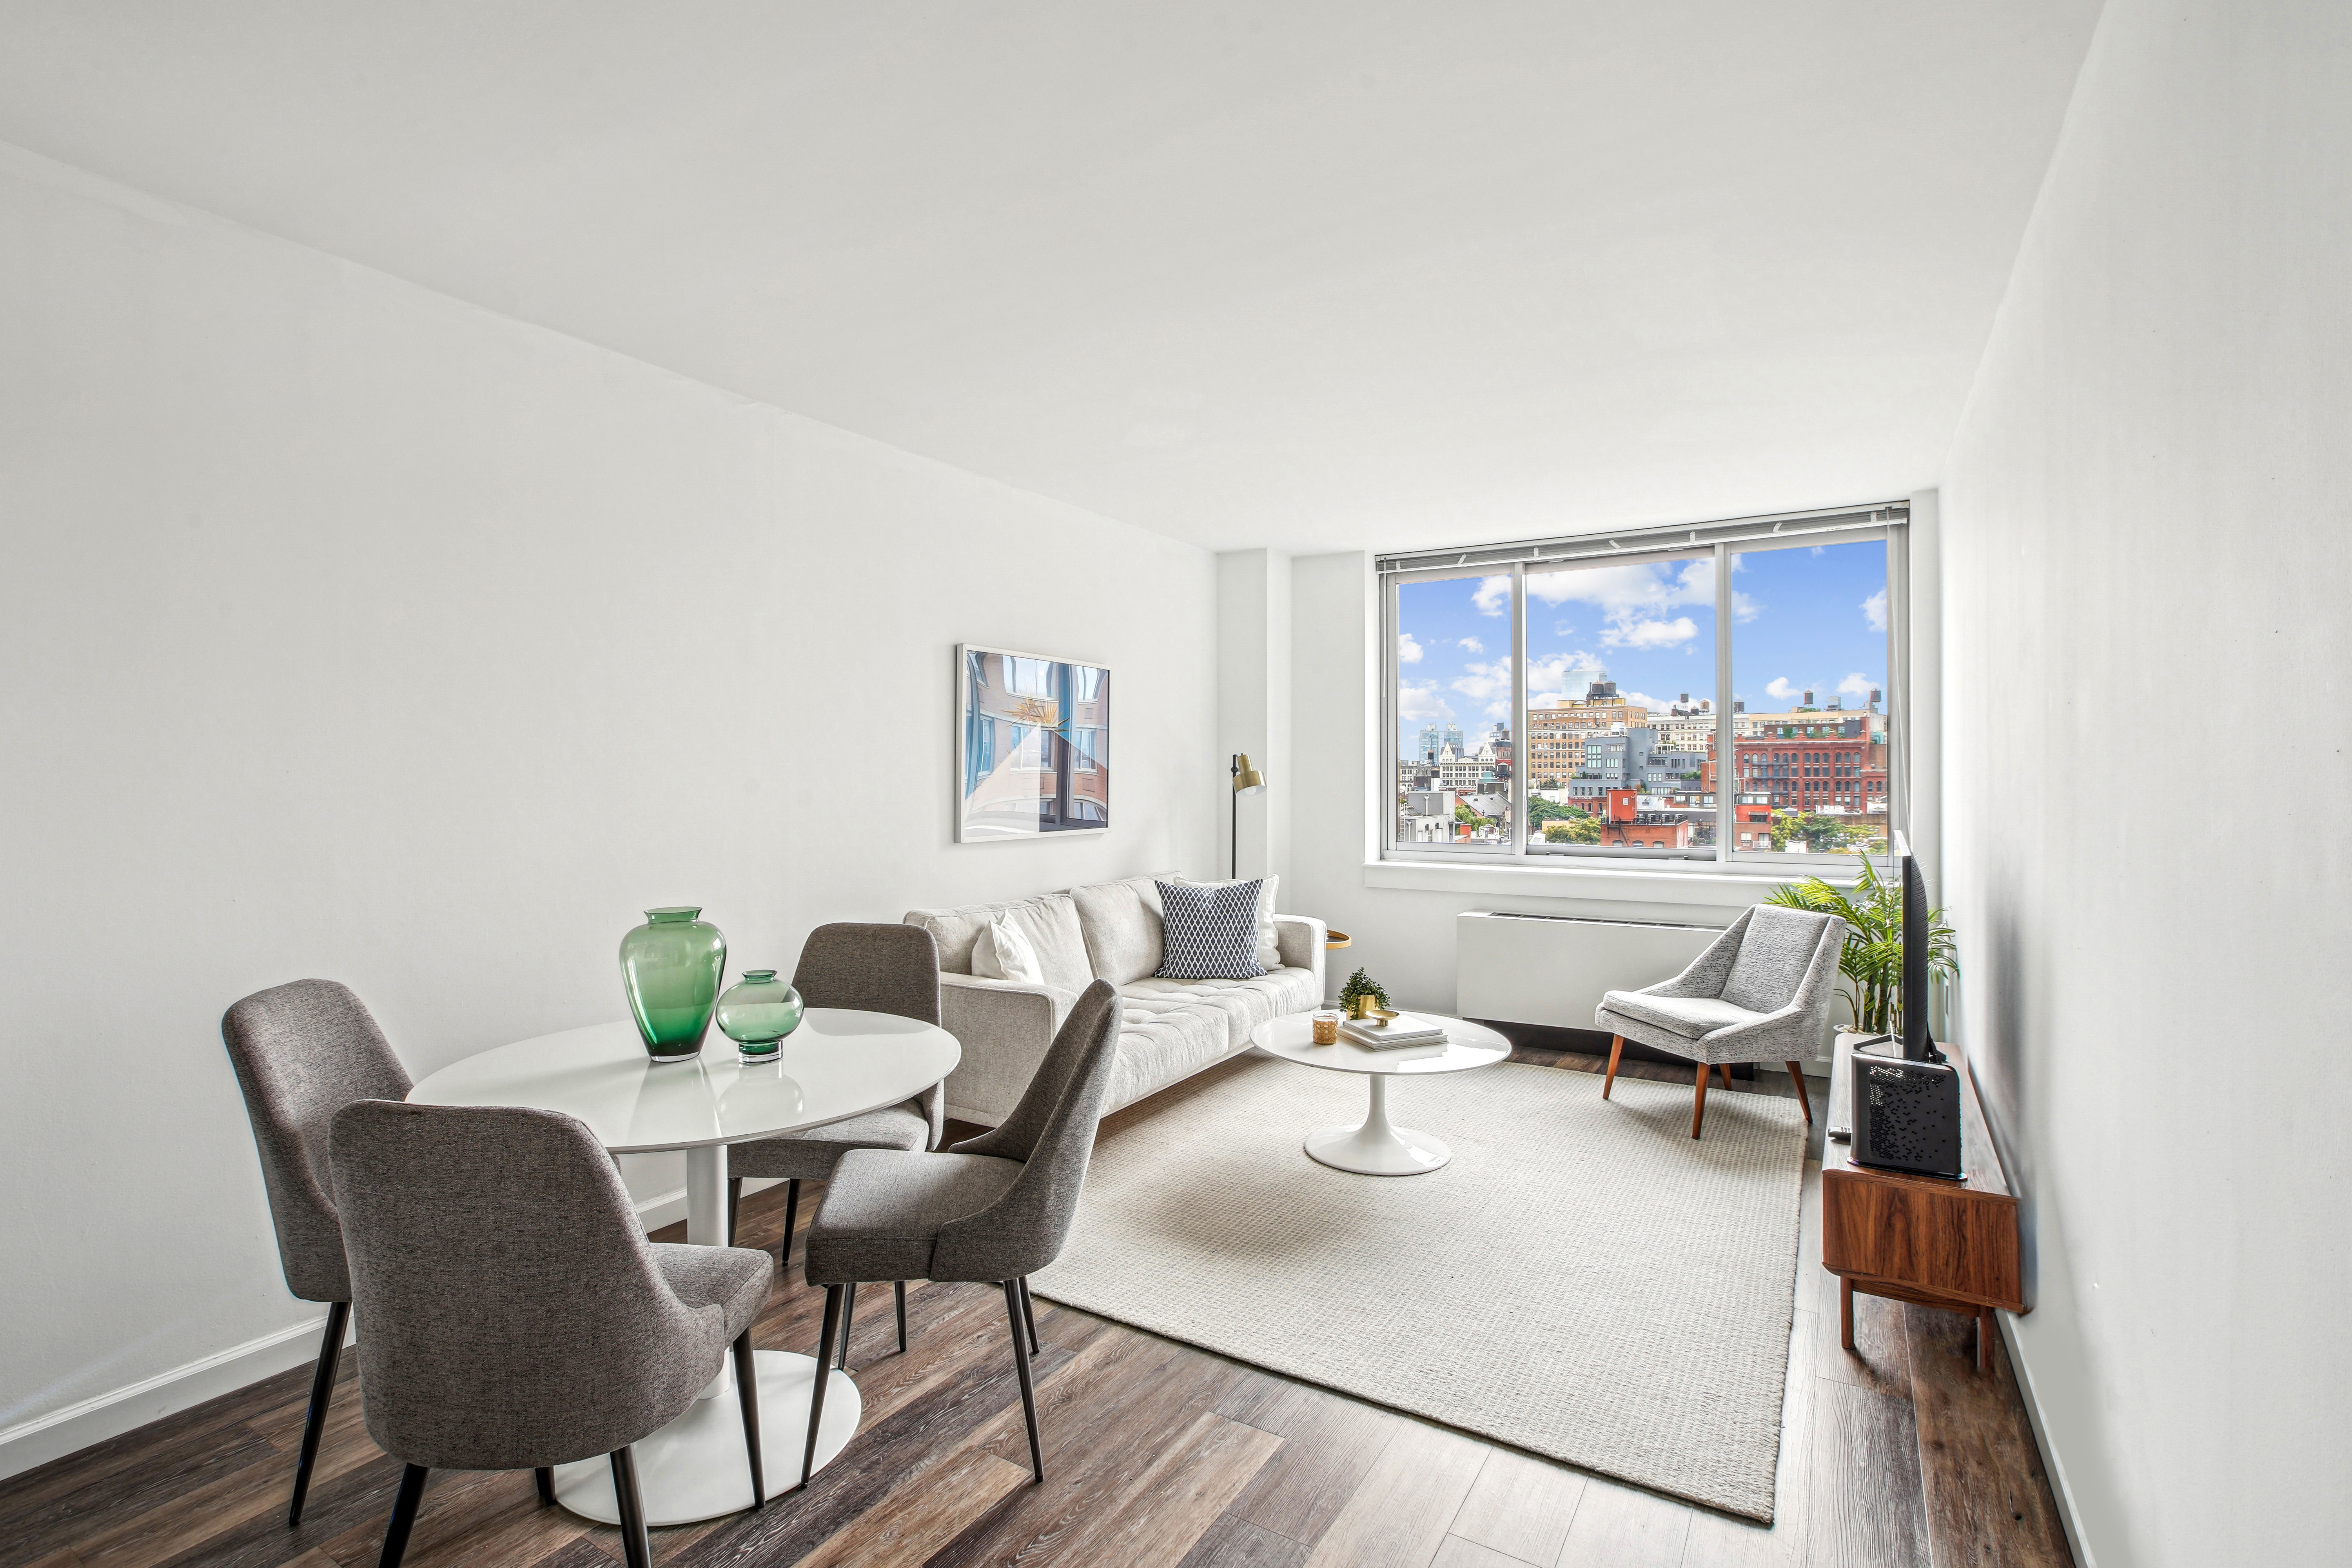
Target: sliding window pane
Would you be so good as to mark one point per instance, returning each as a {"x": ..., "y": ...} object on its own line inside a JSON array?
[
  {"x": 1620, "y": 707},
  {"x": 1809, "y": 696},
  {"x": 1452, "y": 781}
]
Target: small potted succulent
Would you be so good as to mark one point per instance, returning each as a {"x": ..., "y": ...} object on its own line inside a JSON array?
[{"x": 1362, "y": 996}]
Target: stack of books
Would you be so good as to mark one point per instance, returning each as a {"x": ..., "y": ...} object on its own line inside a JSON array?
[{"x": 1386, "y": 1033}]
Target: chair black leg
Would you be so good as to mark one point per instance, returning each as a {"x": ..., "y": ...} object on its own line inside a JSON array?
[
  {"x": 544, "y": 1478},
  {"x": 791, "y": 1214},
  {"x": 747, "y": 1394},
  {"x": 848, "y": 1318},
  {"x": 734, "y": 1201},
  {"x": 824, "y": 1371},
  {"x": 322, "y": 1389},
  {"x": 404, "y": 1516},
  {"x": 1021, "y": 1368},
  {"x": 898, "y": 1294},
  {"x": 637, "y": 1546},
  {"x": 1029, "y": 1316}
]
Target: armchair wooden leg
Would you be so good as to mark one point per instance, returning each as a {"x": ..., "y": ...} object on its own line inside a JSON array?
[
  {"x": 1616, "y": 1050},
  {"x": 1803, "y": 1098},
  {"x": 404, "y": 1516},
  {"x": 1698, "y": 1106},
  {"x": 824, "y": 1373},
  {"x": 746, "y": 1396},
  {"x": 1724, "y": 1068}
]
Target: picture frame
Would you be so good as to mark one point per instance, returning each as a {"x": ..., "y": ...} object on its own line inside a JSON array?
[{"x": 1032, "y": 745}]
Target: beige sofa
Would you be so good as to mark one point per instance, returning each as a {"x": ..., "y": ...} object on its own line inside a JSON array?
[{"x": 1169, "y": 1029}]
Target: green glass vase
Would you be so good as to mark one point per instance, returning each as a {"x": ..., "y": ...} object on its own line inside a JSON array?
[
  {"x": 757, "y": 1012},
  {"x": 670, "y": 966}
]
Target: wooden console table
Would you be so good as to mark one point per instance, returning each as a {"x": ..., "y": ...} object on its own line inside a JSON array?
[{"x": 1922, "y": 1239}]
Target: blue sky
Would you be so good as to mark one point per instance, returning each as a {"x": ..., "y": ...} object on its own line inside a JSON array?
[{"x": 1810, "y": 616}]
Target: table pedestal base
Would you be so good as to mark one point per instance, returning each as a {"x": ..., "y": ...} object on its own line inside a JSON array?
[
  {"x": 1378, "y": 1148},
  {"x": 695, "y": 1467}
]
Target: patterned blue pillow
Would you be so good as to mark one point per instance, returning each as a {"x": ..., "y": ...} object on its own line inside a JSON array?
[{"x": 1208, "y": 933}]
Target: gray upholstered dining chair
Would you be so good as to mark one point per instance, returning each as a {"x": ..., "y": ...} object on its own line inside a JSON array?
[
  {"x": 302, "y": 1051},
  {"x": 1760, "y": 992},
  {"x": 469, "y": 1230},
  {"x": 876, "y": 969},
  {"x": 994, "y": 1209}
]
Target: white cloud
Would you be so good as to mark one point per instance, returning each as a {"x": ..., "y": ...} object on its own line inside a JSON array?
[
  {"x": 1779, "y": 688},
  {"x": 1655, "y": 704},
  {"x": 1651, "y": 634},
  {"x": 1467, "y": 644},
  {"x": 1407, "y": 650},
  {"x": 1563, "y": 674},
  {"x": 1493, "y": 596},
  {"x": 1874, "y": 610},
  {"x": 1634, "y": 600},
  {"x": 1493, "y": 710},
  {"x": 1483, "y": 680},
  {"x": 1856, "y": 684},
  {"x": 1419, "y": 699}
]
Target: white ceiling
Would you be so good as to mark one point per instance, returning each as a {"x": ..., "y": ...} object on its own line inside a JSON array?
[{"x": 1311, "y": 274}]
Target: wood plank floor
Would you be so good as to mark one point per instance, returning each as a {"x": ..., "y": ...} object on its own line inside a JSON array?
[{"x": 1156, "y": 1453}]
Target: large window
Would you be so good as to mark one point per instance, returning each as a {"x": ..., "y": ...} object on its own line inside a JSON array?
[{"x": 1719, "y": 694}]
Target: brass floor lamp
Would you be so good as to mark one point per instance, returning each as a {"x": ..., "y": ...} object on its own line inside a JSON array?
[{"x": 1247, "y": 780}]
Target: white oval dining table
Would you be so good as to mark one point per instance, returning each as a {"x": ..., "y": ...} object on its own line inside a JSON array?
[{"x": 839, "y": 1063}]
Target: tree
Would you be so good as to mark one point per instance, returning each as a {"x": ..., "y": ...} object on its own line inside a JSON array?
[
  {"x": 1871, "y": 958},
  {"x": 1542, "y": 809},
  {"x": 1822, "y": 835},
  {"x": 1577, "y": 829}
]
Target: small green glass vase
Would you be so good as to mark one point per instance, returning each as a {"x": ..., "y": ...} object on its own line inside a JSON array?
[
  {"x": 671, "y": 966},
  {"x": 757, "y": 1012}
]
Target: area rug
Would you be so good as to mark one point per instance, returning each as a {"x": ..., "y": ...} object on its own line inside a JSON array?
[{"x": 1582, "y": 1281}]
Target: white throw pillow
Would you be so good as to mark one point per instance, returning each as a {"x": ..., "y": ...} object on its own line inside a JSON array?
[
  {"x": 1269, "y": 952},
  {"x": 1002, "y": 952}
]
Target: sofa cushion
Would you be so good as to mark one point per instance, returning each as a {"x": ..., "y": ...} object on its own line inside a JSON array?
[
  {"x": 1002, "y": 952},
  {"x": 1689, "y": 1016},
  {"x": 1774, "y": 953},
  {"x": 1209, "y": 933},
  {"x": 1270, "y": 950},
  {"x": 1050, "y": 921},
  {"x": 1159, "y": 1041},
  {"x": 1242, "y": 1003},
  {"x": 1120, "y": 922}
]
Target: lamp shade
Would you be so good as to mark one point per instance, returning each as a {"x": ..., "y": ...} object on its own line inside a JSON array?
[{"x": 1247, "y": 780}]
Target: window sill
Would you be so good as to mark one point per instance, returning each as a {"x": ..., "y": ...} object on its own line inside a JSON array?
[{"x": 1702, "y": 893}]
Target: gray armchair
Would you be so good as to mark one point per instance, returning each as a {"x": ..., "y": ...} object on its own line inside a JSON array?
[
  {"x": 876, "y": 969},
  {"x": 302, "y": 1051},
  {"x": 993, "y": 1209},
  {"x": 1760, "y": 992},
  {"x": 469, "y": 1230}
]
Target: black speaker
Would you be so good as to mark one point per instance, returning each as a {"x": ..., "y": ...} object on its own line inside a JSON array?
[{"x": 1906, "y": 1114}]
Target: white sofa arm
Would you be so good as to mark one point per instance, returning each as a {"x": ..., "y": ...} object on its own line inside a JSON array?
[
  {"x": 1004, "y": 1027},
  {"x": 1300, "y": 940}
]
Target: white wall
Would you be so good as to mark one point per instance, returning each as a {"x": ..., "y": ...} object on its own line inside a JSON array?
[
  {"x": 2147, "y": 543},
  {"x": 350, "y": 631},
  {"x": 1253, "y": 705}
]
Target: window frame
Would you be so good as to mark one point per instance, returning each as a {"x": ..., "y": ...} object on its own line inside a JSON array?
[{"x": 1886, "y": 522}]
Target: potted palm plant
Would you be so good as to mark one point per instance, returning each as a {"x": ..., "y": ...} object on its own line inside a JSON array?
[{"x": 1872, "y": 960}]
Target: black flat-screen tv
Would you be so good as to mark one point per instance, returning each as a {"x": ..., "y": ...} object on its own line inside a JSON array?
[{"x": 1916, "y": 1046}]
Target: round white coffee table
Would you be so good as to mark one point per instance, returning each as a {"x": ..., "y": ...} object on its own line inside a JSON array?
[
  {"x": 839, "y": 1063},
  {"x": 1379, "y": 1147}
]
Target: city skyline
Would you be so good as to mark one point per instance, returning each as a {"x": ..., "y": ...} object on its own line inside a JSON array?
[{"x": 1806, "y": 617}]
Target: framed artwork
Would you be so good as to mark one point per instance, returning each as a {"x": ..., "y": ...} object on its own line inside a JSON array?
[{"x": 1032, "y": 745}]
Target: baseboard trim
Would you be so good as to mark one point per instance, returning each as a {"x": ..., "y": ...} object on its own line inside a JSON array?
[
  {"x": 34, "y": 1442},
  {"x": 2052, "y": 1465}
]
